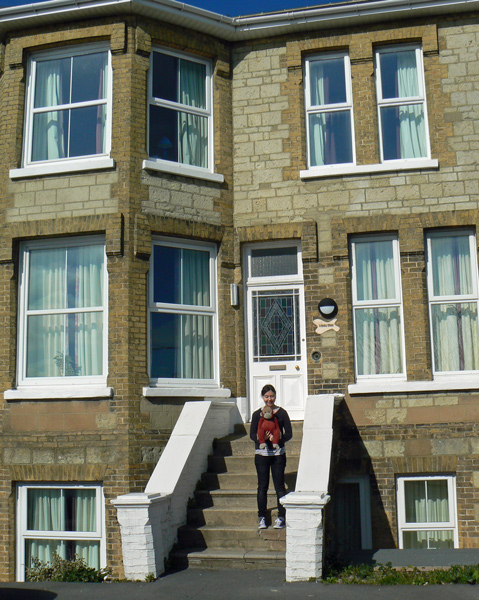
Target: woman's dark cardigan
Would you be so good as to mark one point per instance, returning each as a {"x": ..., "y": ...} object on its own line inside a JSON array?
[{"x": 283, "y": 422}]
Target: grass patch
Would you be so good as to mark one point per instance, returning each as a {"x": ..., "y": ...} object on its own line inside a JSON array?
[{"x": 389, "y": 575}]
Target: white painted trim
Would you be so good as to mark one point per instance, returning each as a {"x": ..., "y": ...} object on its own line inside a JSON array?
[
  {"x": 67, "y": 166},
  {"x": 183, "y": 170},
  {"x": 404, "y": 526},
  {"x": 389, "y": 166},
  {"x": 186, "y": 392},
  {"x": 324, "y": 109},
  {"x": 400, "y": 387},
  {"x": 22, "y": 532},
  {"x": 345, "y": 14},
  {"x": 67, "y": 392},
  {"x": 420, "y": 99}
]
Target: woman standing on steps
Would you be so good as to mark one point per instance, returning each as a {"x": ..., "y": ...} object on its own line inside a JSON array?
[{"x": 270, "y": 458}]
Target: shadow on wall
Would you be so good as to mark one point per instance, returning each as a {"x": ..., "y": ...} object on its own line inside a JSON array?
[{"x": 355, "y": 504}]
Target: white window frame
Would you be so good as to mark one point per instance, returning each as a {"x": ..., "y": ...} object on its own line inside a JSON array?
[
  {"x": 32, "y": 168},
  {"x": 383, "y": 303},
  {"x": 314, "y": 170},
  {"x": 438, "y": 300},
  {"x": 185, "y": 309},
  {"x": 23, "y": 533},
  {"x": 44, "y": 383},
  {"x": 408, "y": 100},
  {"x": 441, "y": 526},
  {"x": 158, "y": 164}
]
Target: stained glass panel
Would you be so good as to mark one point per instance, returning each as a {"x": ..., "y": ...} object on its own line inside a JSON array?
[{"x": 276, "y": 334}]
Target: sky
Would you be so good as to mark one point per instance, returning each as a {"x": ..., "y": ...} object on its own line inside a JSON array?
[{"x": 232, "y": 8}]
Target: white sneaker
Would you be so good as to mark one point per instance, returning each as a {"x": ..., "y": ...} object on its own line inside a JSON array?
[
  {"x": 279, "y": 523},
  {"x": 262, "y": 523}
]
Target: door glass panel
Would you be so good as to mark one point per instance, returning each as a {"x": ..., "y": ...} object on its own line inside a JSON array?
[
  {"x": 276, "y": 331},
  {"x": 274, "y": 262}
]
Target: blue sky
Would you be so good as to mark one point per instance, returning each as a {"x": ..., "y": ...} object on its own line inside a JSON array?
[{"x": 232, "y": 8}]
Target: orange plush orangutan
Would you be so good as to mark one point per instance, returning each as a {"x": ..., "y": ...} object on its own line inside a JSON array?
[{"x": 268, "y": 422}]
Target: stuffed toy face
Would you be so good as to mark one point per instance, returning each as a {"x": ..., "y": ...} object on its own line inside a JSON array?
[{"x": 267, "y": 412}]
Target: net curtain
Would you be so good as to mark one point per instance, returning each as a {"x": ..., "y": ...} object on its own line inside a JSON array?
[
  {"x": 322, "y": 126},
  {"x": 65, "y": 343},
  {"x": 192, "y": 129},
  {"x": 427, "y": 502},
  {"x": 454, "y": 325},
  {"x": 412, "y": 138},
  {"x": 194, "y": 335},
  {"x": 378, "y": 332},
  {"x": 47, "y": 512}
]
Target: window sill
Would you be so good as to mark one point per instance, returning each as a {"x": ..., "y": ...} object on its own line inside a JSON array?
[
  {"x": 70, "y": 166},
  {"x": 404, "y": 387},
  {"x": 186, "y": 392},
  {"x": 386, "y": 167},
  {"x": 184, "y": 170},
  {"x": 61, "y": 392}
]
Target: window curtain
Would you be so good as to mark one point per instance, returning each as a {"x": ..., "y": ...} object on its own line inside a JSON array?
[
  {"x": 411, "y": 117},
  {"x": 192, "y": 129},
  {"x": 195, "y": 344},
  {"x": 49, "y": 128},
  {"x": 329, "y": 132},
  {"x": 317, "y": 122},
  {"x": 101, "y": 110},
  {"x": 65, "y": 344},
  {"x": 47, "y": 512},
  {"x": 427, "y": 502},
  {"x": 454, "y": 324},
  {"x": 378, "y": 329}
]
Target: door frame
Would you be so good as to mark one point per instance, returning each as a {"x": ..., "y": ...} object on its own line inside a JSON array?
[{"x": 263, "y": 284}]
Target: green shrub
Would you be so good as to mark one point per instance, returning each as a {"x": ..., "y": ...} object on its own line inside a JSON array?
[
  {"x": 389, "y": 575},
  {"x": 60, "y": 569}
]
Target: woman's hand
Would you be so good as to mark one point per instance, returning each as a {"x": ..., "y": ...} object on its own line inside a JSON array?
[{"x": 268, "y": 436}]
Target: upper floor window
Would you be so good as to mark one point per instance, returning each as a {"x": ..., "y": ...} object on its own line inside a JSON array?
[
  {"x": 453, "y": 300},
  {"x": 62, "y": 312},
  {"x": 180, "y": 109},
  {"x": 377, "y": 306},
  {"x": 401, "y": 98},
  {"x": 182, "y": 310},
  {"x": 329, "y": 108},
  {"x": 68, "y": 108}
]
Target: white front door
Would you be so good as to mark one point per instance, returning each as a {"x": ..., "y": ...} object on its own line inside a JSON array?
[{"x": 276, "y": 340}]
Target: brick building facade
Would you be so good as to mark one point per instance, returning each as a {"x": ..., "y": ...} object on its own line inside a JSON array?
[{"x": 265, "y": 199}]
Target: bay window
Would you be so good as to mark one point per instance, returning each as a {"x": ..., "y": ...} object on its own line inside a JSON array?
[
  {"x": 68, "y": 106},
  {"x": 377, "y": 306},
  {"x": 182, "y": 311},
  {"x": 63, "y": 519},
  {"x": 453, "y": 301},
  {"x": 62, "y": 311},
  {"x": 329, "y": 118},
  {"x": 427, "y": 512},
  {"x": 403, "y": 131},
  {"x": 180, "y": 110}
]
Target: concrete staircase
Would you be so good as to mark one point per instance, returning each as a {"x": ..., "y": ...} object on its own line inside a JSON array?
[{"x": 222, "y": 527}]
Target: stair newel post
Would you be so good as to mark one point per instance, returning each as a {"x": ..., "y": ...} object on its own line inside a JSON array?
[{"x": 304, "y": 535}]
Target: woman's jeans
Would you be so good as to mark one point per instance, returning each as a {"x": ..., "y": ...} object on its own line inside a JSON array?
[{"x": 277, "y": 464}]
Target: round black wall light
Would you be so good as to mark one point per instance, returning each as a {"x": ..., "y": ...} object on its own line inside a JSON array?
[{"x": 328, "y": 308}]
